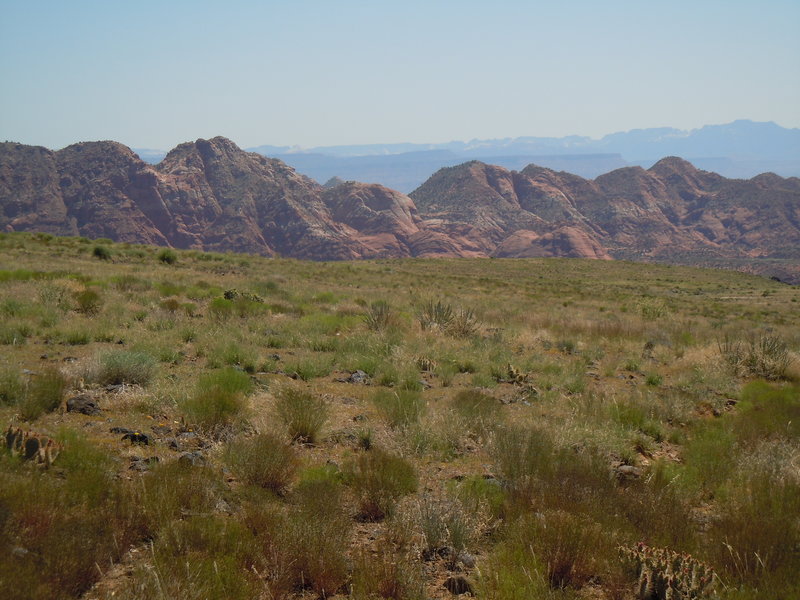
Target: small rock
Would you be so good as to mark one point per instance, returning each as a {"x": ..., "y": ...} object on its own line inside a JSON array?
[
  {"x": 83, "y": 404},
  {"x": 458, "y": 585},
  {"x": 628, "y": 472},
  {"x": 358, "y": 377},
  {"x": 492, "y": 480},
  {"x": 466, "y": 559},
  {"x": 172, "y": 444},
  {"x": 143, "y": 464},
  {"x": 115, "y": 387},
  {"x": 195, "y": 459}
]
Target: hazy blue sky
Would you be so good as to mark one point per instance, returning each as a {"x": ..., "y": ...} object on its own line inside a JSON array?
[{"x": 302, "y": 72}]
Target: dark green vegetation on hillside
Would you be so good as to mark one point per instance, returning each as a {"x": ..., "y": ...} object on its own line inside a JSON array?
[{"x": 546, "y": 428}]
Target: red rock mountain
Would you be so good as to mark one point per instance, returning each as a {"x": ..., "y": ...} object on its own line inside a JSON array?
[{"x": 210, "y": 194}]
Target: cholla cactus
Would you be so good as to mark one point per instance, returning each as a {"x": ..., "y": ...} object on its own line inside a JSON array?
[{"x": 668, "y": 575}]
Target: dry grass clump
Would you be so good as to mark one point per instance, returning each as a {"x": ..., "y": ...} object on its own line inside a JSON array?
[
  {"x": 401, "y": 408},
  {"x": 12, "y": 386},
  {"x": 302, "y": 413},
  {"x": 389, "y": 574},
  {"x": 124, "y": 367},
  {"x": 765, "y": 356},
  {"x": 447, "y": 529},
  {"x": 439, "y": 316},
  {"x": 202, "y": 556},
  {"x": 43, "y": 394},
  {"x": 263, "y": 460},
  {"x": 379, "y": 315},
  {"x": 60, "y": 542},
  {"x": 378, "y": 480},
  {"x": 175, "y": 488},
  {"x": 478, "y": 411},
  {"x": 301, "y": 544}
]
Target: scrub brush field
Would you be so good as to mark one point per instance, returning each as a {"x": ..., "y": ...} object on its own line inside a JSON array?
[{"x": 192, "y": 425}]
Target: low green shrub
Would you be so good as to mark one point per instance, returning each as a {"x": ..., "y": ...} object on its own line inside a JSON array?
[
  {"x": 220, "y": 399},
  {"x": 88, "y": 301},
  {"x": 767, "y": 410},
  {"x": 167, "y": 256},
  {"x": 537, "y": 471},
  {"x": 632, "y": 415},
  {"x": 513, "y": 571},
  {"x": 318, "y": 529},
  {"x": 221, "y": 308},
  {"x": 480, "y": 495},
  {"x": 754, "y": 539},
  {"x": 76, "y": 337},
  {"x": 101, "y": 252},
  {"x": 234, "y": 354}
]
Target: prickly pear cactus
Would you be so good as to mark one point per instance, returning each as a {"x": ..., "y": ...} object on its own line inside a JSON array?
[{"x": 667, "y": 575}]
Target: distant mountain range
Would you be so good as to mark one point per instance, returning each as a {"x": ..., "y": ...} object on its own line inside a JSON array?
[
  {"x": 211, "y": 195},
  {"x": 741, "y": 149}
]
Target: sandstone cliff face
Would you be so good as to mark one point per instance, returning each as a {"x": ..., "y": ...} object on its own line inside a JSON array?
[
  {"x": 570, "y": 242},
  {"x": 226, "y": 199},
  {"x": 477, "y": 205},
  {"x": 30, "y": 197},
  {"x": 382, "y": 220},
  {"x": 108, "y": 192},
  {"x": 209, "y": 194},
  {"x": 206, "y": 194},
  {"x": 671, "y": 210}
]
